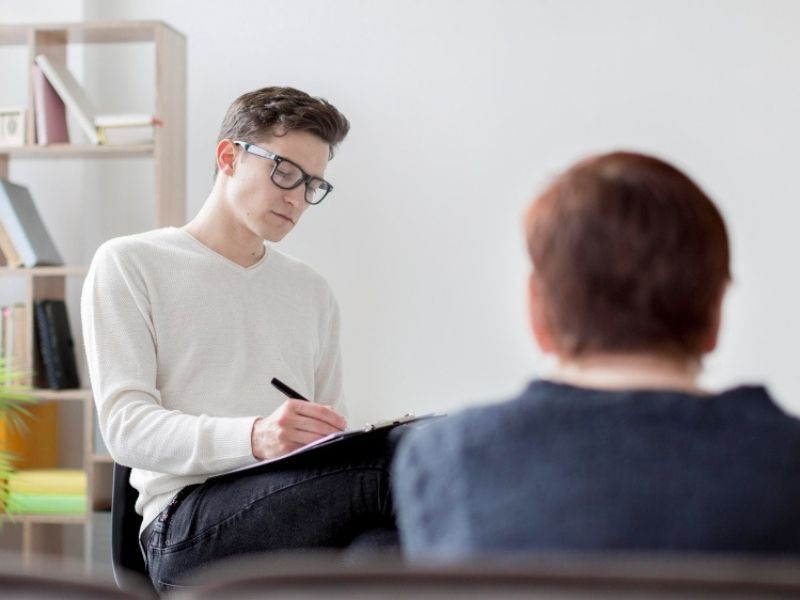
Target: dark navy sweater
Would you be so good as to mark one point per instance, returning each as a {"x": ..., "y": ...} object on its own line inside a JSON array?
[{"x": 567, "y": 468}]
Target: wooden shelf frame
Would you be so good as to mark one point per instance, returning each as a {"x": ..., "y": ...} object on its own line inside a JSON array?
[
  {"x": 79, "y": 151},
  {"x": 168, "y": 153},
  {"x": 168, "y": 150},
  {"x": 32, "y": 273}
]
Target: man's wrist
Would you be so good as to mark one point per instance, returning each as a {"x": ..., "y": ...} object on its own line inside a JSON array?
[{"x": 253, "y": 438}]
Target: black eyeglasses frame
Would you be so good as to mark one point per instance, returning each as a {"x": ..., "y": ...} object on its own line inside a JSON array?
[{"x": 277, "y": 160}]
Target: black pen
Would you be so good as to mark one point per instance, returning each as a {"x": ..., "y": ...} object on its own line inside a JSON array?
[{"x": 285, "y": 389}]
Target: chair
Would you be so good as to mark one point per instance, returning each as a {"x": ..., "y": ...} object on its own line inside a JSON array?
[
  {"x": 127, "y": 562},
  {"x": 54, "y": 577},
  {"x": 557, "y": 576}
]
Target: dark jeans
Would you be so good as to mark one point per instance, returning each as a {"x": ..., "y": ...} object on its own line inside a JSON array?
[{"x": 334, "y": 497}]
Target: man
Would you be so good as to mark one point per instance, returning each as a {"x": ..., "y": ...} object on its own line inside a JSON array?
[
  {"x": 619, "y": 448},
  {"x": 185, "y": 329}
]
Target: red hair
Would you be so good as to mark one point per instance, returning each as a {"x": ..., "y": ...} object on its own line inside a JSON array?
[{"x": 629, "y": 254}]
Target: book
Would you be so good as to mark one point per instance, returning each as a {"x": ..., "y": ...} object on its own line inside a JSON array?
[
  {"x": 337, "y": 437},
  {"x": 48, "y": 481},
  {"x": 127, "y": 129},
  {"x": 46, "y": 504},
  {"x": 25, "y": 227},
  {"x": 19, "y": 361},
  {"x": 14, "y": 340},
  {"x": 9, "y": 251},
  {"x": 36, "y": 447},
  {"x": 71, "y": 93},
  {"x": 126, "y": 121},
  {"x": 49, "y": 112},
  {"x": 56, "y": 345},
  {"x": 100, "y": 129},
  {"x": 8, "y": 338}
]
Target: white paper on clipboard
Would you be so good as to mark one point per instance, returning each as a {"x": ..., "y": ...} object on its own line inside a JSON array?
[{"x": 338, "y": 437}]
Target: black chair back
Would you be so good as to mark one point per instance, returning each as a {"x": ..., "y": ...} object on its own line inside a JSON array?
[{"x": 126, "y": 557}]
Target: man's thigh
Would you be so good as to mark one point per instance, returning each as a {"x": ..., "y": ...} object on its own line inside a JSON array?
[{"x": 320, "y": 499}]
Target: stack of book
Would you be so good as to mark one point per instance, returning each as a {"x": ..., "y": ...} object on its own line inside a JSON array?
[
  {"x": 47, "y": 492},
  {"x": 55, "y": 90}
]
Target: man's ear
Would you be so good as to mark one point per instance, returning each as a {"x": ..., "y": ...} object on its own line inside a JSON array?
[
  {"x": 712, "y": 336},
  {"x": 536, "y": 312},
  {"x": 226, "y": 155}
]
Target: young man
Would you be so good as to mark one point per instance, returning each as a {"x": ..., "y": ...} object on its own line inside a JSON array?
[
  {"x": 620, "y": 448},
  {"x": 184, "y": 330}
]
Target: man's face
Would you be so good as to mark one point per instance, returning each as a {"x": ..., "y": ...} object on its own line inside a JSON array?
[{"x": 267, "y": 210}]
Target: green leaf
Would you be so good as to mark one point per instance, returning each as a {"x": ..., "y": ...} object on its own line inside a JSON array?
[{"x": 14, "y": 402}]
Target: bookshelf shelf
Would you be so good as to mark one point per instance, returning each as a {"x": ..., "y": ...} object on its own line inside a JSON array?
[
  {"x": 79, "y": 151},
  {"x": 44, "y": 519},
  {"x": 45, "y": 272},
  {"x": 88, "y": 33},
  {"x": 167, "y": 155},
  {"x": 82, "y": 395}
]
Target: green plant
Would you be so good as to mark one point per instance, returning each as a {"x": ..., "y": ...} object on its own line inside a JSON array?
[{"x": 14, "y": 400}]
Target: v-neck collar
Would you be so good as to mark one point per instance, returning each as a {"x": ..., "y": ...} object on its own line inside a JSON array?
[{"x": 234, "y": 265}]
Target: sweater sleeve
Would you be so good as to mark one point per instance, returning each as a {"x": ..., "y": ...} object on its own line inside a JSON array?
[
  {"x": 121, "y": 351},
  {"x": 328, "y": 374}
]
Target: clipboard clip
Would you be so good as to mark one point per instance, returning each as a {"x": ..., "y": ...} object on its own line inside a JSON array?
[{"x": 407, "y": 418}]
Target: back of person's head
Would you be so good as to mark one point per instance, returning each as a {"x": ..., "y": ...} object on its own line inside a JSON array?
[
  {"x": 275, "y": 111},
  {"x": 629, "y": 255}
]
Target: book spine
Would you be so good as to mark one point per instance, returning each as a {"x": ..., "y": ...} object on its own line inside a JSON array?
[
  {"x": 49, "y": 111},
  {"x": 45, "y": 345},
  {"x": 62, "y": 343}
]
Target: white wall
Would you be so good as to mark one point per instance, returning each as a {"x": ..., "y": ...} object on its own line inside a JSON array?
[{"x": 460, "y": 111}]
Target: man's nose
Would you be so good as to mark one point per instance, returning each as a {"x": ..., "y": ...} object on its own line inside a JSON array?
[{"x": 296, "y": 196}]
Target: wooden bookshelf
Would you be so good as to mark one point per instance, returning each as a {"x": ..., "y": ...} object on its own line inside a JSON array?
[
  {"x": 38, "y": 272},
  {"x": 43, "y": 519},
  {"x": 82, "y": 395},
  {"x": 168, "y": 156},
  {"x": 79, "y": 151}
]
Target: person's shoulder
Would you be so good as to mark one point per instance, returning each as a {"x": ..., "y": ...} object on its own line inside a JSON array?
[
  {"x": 475, "y": 426},
  {"x": 754, "y": 403},
  {"x": 133, "y": 245}
]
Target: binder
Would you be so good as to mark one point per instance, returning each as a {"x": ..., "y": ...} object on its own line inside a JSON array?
[{"x": 56, "y": 345}]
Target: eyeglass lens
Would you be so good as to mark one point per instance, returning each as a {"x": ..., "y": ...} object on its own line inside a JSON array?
[{"x": 288, "y": 176}]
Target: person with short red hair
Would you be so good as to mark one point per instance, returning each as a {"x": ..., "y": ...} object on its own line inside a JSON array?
[{"x": 619, "y": 448}]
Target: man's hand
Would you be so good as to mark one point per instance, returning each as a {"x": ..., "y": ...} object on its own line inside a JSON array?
[{"x": 295, "y": 423}]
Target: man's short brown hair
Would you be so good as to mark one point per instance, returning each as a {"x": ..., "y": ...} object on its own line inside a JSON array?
[
  {"x": 629, "y": 255},
  {"x": 278, "y": 110}
]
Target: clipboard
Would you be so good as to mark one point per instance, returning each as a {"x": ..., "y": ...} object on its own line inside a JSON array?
[{"x": 338, "y": 437}]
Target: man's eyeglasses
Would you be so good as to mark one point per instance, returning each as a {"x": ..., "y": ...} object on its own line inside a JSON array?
[{"x": 288, "y": 175}]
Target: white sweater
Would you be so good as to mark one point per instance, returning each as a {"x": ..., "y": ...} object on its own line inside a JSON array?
[{"x": 182, "y": 344}]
